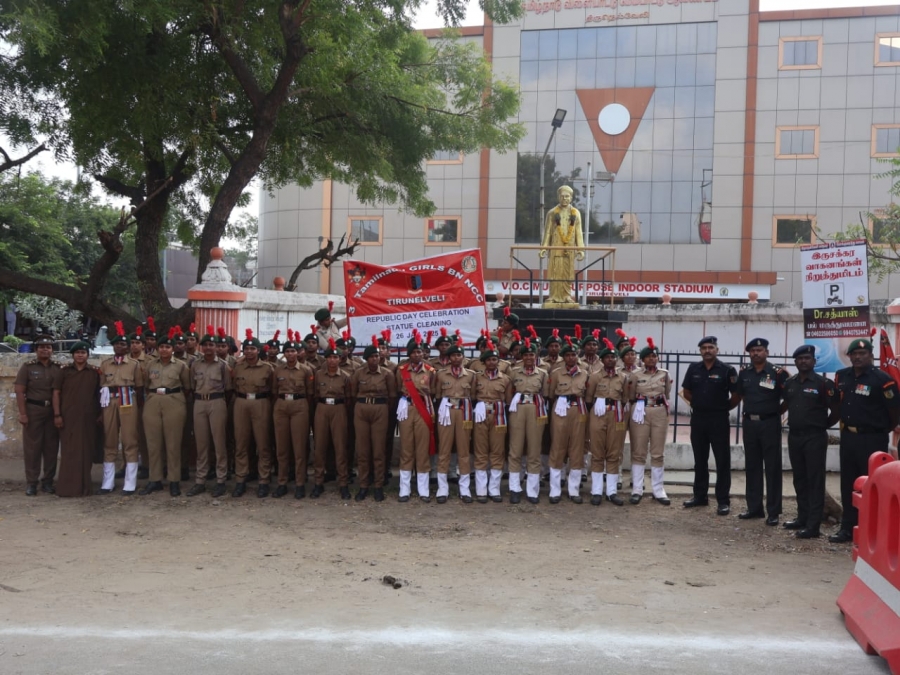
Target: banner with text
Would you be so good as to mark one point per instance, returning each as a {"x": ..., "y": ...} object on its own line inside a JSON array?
[
  {"x": 629, "y": 289},
  {"x": 442, "y": 291},
  {"x": 835, "y": 289}
]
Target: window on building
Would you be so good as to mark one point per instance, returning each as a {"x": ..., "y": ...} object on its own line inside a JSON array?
[
  {"x": 884, "y": 227},
  {"x": 797, "y": 142},
  {"x": 885, "y": 140},
  {"x": 446, "y": 157},
  {"x": 799, "y": 53},
  {"x": 367, "y": 229},
  {"x": 442, "y": 231},
  {"x": 887, "y": 49},
  {"x": 793, "y": 230}
]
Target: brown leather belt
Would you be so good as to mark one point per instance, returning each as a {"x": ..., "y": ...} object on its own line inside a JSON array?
[{"x": 208, "y": 397}]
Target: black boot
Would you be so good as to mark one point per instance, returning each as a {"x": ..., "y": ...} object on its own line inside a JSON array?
[{"x": 174, "y": 489}]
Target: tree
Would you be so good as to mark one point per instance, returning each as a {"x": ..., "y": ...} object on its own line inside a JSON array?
[
  {"x": 528, "y": 194},
  {"x": 181, "y": 104}
]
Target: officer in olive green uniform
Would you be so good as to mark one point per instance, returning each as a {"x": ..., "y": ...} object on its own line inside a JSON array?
[
  {"x": 606, "y": 395},
  {"x": 490, "y": 428},
  {"x": 294, "y": 389},
  {"x": 168, "y": 383},
  {"x": 34, "y": 398},
  {"x": 122, "y": 383},
  {"x": 374, "y": 391},
  {"x": 455, "y": 388},
  {"x": 527, "y": 394},
  {"x": 211, "y": 384},
  {"x": 252, "y": 414},
  {"x": 332, "y": 387},
  {"x": 649, "y": 389},
  {"x": 567, "y": 387},
  {"x": 416, "y": 384}
]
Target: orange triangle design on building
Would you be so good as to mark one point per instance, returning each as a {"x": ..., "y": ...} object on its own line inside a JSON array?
[{"x": 613, "y": 148}]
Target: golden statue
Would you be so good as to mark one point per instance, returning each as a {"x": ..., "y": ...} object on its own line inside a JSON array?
[{"x": 563, "y": 228}]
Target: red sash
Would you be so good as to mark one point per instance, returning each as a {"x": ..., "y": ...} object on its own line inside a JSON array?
[{"x": 416, "y": 398}]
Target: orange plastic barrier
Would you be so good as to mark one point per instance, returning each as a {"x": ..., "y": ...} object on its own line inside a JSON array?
[{"x": 870, "y": 602}]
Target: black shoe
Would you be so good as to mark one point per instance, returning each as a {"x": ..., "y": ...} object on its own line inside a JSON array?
[
  {"x": 379, "y": 495},
  {"x": 665, "y": 501},
  {"x": 596, "y": 500},
  {"x": 723, "y": 510},
  {"x": 403, "y": 499},
  {"x": 466, "y": 499},
  {"x": 615, "y": 499},
  {"x": 694, "y": 501},
  {"x": 515, "y": 497},
  {"x": 425, "y": 499},
  {"x": 47, "y": 486},
  {"x": 497, "y": 499},
  {"x": 317, "y": 491},
  {"x": 345, "y": 492},
  {"x": 747, "y": 515},
  {"x": 481, "y": 499},
  {"x": 841, "y": 537},
  {"x": 185, "y": 475},
  {"x": 151, "y": 487},
  {"x": 280, "y": 492},
  {"x": 174, "y": 489},
  {"x": 577, "y": 499},
  {"x": 219, "y": 490},
  {"x": 795, "y": 524},
  {"x": 362, "y": 494},
  {"x": 772, "y": 521},
  {"x": 635, "y": 499},
  {"x": 239, "y": 490},
  {"x": 101, "y": 491},
  {"x": 31, "y": 491},
  {"x": 442, "y": 499},
  {"x": 127, "y": 493},
  {"x": 532, "y": 500},
  {"x": 196, "y": 490},
  {"x": 807, "y": 533},
  {"x": 262, "y": 490},
  {"x": 143, "y": 473},
  {"x": 300, "y": 492},
  {"x": 553, "y": 500}
]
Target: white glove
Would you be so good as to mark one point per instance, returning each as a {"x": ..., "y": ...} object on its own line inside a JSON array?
[
  {"x": 104, "y": 397},
  {"x": 480, "y": 412},
  {"x": 638, "y": 413},
  {"x": 562, "y": 406},
  {"x": 515, "y": 402},
  {"x": 402, "y": 409},
  {"x": 600, "y": 407},
  {"x": 444, "y": 413}
]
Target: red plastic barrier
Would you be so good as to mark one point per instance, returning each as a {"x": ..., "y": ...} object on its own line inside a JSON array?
[{"x": 870, "y": 602}]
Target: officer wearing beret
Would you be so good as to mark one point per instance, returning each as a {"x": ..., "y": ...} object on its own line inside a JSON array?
[
  {"x": 811, "y": 402},
  {"x": 327, "y": 328},
  {"x": 708, "y": 387},
  {"x": 760, "y": 386},
  {"x": 870, "y": 408}
]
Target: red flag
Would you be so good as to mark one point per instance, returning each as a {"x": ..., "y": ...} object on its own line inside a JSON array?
[{"x": 887, "y": 358}]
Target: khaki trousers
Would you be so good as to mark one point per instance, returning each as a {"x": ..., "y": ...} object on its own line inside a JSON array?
[
  {"x": 455, "y": 434},
  {"x": 525, "y": 434},
  {"x": 41, "y": 442},
  {"x": 292, "y": 437},
  {"x": 251, "y": 424},
  {"x": 490, "y": 444},
  {"x": 210, "y": 418},
  {"x": 651, "y": 433},
  {"x": 330, "y": 428},
  {"x": 414, "y": 444},
  {"x": 567, "y": 434},
  {"x": 120, "y": 421},
  {"x": 607, "y": 443},
  {"x": 371, "y": 423},
  {"x": 164, "y": 416}
]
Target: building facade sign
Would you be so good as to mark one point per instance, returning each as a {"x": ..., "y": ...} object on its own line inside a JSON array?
[{"x": 678, "y": 290}]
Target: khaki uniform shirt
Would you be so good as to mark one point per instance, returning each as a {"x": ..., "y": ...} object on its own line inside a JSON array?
[
  {"x": 210, "y": 378},
  {"x": 564, "y": 384},
  {"x": 487, "y": 389},
  {"x": 38, "y": 379},
  {"x": 332, "y": 386},
  {"x": 351, "y": 364},
  {"x": 296, "y": 379},
  {"x": 590, "y": 367},
  {"x": 170, "y": 375},
  {"x": 550, "y": 366},
  {"x": 315, "y": 362},
  {"x": 424, "y": 379},
  {"x": 455, "y": 386},
  {"x": 366, "y": 384},
  {"x": 390, "y": 365},
  {"x": 535, "y": 382},
  {"x": 127, "y": 373},
  {"x": 649, "y": 385},
  {"x": 255, "y": 379},
  {"x": 323, "y": 334},
  {"x": 477, "y": 365},
  {"x": 602, "y": 384}
]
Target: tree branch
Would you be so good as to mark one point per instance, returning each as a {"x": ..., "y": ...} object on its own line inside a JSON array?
[
  {"x": 225, "y": 151},
  {"x": 325, "y": 256},
  {"x": 9, "y": 163},
  {"x": 134, "y": 194}
]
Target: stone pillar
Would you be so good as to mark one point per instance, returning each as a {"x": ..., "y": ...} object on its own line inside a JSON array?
[{"x": 217, "y": 299}]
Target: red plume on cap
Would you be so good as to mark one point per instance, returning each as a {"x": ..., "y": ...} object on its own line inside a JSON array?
[
  {"x": 532, "y": 332},
  {"x": 172, "y": 332},
  {"x": 489, "y": 345},
  {"x": 577, "y": 331},
  {"x": 596, "y": 333},
  {"x": 374, "y": 340},
  {"x": 506, "y": 311},
  {"x": 632, "y": 341},
  {"x": 277, "y": 333},
  {"x": 609, "y": 345},
  {"x": 192, "y": 328},
  {"x": 873, "y": 331},
  {"x": 220, "y": 332},
  {"x": 151, "y": 324},
  {"x": 621, "y": 333},
  {"x": 387, "y": 334},
  {"x": 443, "y": 331},
  {"x": 178, "y": 330},
  {"x": 331, "y": 344},
  {"x": 417, "y": 336},
  {"x": 139, "y": 331},
  {"x": 290, "y": 335},
  {"x": 428, "y": 337},
  {"x": 265, "y": 349},
  {"x": 459, "y": 339},
  {"x": 345, "y": 334},
  {"x": 568, "y": 340},
  {"x": 517, "y": 336},
  {"x": 556, "y": 333},
  {"x": 120, "y": 329},
  {"x": 249, "y": 333},
  {"x": 330, "y": 305},
  {"x": 650, "y": 343},
  {"x": 209, "y": 329},
  {"x": 528, "y": 342},
  {"x": 458, "y": 333},
  {"x": 314, "y": 329}
]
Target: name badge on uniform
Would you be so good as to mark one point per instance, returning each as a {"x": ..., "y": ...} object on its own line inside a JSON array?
[
  {"x": 862, "y": 390},
  {"x": 713, "y": 377},
  {"x": 767, "y": 383}
]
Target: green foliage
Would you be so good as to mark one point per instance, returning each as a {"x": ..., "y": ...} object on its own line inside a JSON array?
[
  {"x": 48, "y": 313},
  {"x": 528, "y": 194}
]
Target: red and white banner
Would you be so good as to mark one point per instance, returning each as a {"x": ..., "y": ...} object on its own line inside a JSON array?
[{"x": 443, "y": 291}]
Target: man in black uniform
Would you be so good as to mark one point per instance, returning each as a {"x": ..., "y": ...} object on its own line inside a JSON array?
[
  {"x": 709, "y": 387},
  {"x": 811, "y": 402},
  {"x": 870, "y": 408},
  {"x": 760, "y": 386}
]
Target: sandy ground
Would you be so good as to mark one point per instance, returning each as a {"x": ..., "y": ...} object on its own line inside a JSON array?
[{"x": 162, "y": 568}]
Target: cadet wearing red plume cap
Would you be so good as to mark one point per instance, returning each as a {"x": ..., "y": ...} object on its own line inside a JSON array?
[
  {"x": 252, "y": 414},
  {"x": 490, "y": 428},
  {"x": 331, "y": 420},
  {"x": 456, "y": 389},
  {"x": 416, "y": 384},
  {"x": 311, "y": 343},
  {"x": 527, "y": 394},
  {"x": 649, "y": 390},
  {"x": 294, "y": 389},
  {"x": 567, "y": 420},
  {"x": 606, "y": 395}
]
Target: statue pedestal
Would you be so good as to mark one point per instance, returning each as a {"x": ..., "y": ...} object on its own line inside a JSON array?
[
  {"x": 545, "y": 319},
  {"x": 560, "y": 305}
]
